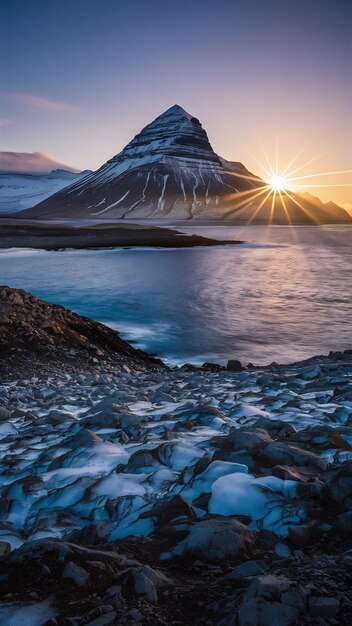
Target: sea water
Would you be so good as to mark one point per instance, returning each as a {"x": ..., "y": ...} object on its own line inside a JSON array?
[{"x": 284, "y": 295}]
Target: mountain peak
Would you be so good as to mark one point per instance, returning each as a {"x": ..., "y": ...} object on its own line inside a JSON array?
[
  {"x": 173, "y": 134},
  {"x": 176, "y": 109}
]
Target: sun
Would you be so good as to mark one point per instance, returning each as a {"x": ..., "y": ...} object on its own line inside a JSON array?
[{"x": 278, "y": 183}]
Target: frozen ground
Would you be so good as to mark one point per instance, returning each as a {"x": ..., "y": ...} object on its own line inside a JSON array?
[{"x": 219, "y": 457}]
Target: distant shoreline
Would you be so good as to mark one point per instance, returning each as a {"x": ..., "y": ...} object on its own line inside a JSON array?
[{"x": 18, "y": 234}]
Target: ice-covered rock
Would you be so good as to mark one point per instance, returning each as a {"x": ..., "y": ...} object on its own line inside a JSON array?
[{"x": 263, "y": 500}]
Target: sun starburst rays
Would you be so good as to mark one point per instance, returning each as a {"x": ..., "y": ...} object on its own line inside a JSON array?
[{"x": 279, "y": 190}]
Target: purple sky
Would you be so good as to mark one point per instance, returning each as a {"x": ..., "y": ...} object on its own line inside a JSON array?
[{"x": 80, "y": 78}]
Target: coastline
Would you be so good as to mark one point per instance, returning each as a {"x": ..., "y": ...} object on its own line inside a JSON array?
[{"x": 17, "y": 234}]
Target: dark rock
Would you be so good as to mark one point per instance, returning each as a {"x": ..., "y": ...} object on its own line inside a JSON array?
[
  {"x": 168, "y": 511},
  {"x": 258, "y": 612},
  {"x": 295, "y": 599},
  {"x": 320, "y": 438},
  {"x": 77, "y": 574},
  {"x": 248, "y": 439},
  {"x": 212, "y": 367},
  {"x": 47, "y": 333},
  {"x": 339, "y": 485},
  {"x": 4, "y": 414},
  {"x": 299, "y": 474},
  {"x": 282, "y": 550},
  {"x": 216, "y": 539},
  {"x": 5, "y": 548},
  {"x": 320, "y": 606},
  {"x": 141, "y": 585},
  {"x": 241, "y": 445},
  {"x": 300, "y": 536},
  {"x": 268, "y": 587},
  {"x": 274, "y": 427},
  {"x": 247, "y": 569},
  {"x": 103, "y": 620},
  {"x": 134, "y": 615},
  {"x": 282, "y": 453},
  {"x": 263, "y": 604},
  {"x": 344, "y": 522},
  {"x": 141, "y": 458},
  {"x": 113, "y": 593},
  {"x": 234, "y": 365},
  {"x": 84, "y": 438}
]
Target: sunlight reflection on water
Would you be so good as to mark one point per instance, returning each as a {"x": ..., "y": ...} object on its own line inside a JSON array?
[{"x": 284, "y": 301}]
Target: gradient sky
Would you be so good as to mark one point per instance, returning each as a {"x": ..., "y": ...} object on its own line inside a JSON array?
[{"x": 80, "y": 77}]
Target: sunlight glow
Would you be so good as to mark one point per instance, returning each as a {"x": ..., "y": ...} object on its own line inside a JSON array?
[
  {"x": 278, "y": 183},
  {"x": 281, "y": 188}
]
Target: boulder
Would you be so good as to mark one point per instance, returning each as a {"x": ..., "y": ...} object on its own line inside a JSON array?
[
  {"x": 299, "y": 536},
  {"x": 247, "y": 570},
  {"x": 299, "y": 474},
  {"x": 234, "y": 365},
  {"x": 264, "y": 603},
  {"x": 339, "y": 485},
  {"x": 103, "y": 620},
  {"x": 268, "y": 587},
  {"x": 344, "y": 522},
  {"x": 77, "y": 574},
  {"x": 253, "y": 439},
  {"x": 320, "y": 606},
  {"x": 276, "y": 428},
  {"x": 4, "y": 414},
  {"x": 170, "y": 510},
  {"x": 216, "y": 539},
  {"x": 258, "y": 612},
  {"x": 137, "y": 582},
  {"x": 282, "y": 453},
  {"x": 5, "y": 548}
]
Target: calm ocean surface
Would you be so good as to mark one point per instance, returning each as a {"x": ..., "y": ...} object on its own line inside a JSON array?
[{"x": 284, "y": 295}]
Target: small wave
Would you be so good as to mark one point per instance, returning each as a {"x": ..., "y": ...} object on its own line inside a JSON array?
[
  {"x": 18, "y": 252},
  {"x": 137, "y": 333},
  {"x": 263, "y": 245}
]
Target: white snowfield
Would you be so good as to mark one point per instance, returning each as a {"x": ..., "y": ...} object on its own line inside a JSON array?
[{"x": 23, "y": 191}]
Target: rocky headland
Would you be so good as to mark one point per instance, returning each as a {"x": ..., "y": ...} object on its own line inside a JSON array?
[
  {"x": 136, "y": 494},
  {"x": 38, "y": 338},
  {"x": 17, "y": 233}
]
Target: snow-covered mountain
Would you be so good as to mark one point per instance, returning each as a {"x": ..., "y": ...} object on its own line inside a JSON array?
[
  {"x": 20, "y": 191},
  {"x": 169, "y": 170}
]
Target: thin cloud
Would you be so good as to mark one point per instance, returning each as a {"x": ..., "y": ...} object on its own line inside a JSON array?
[
  {"x": 31, "y": 101},
  {"x": 31, "y": 163},
  {"x": 6, "y": 121}
]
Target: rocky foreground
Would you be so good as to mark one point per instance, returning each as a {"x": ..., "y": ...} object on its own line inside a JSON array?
[
  {"x": 158, "y": 497},
  {"x": 38, "y": 338}
]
